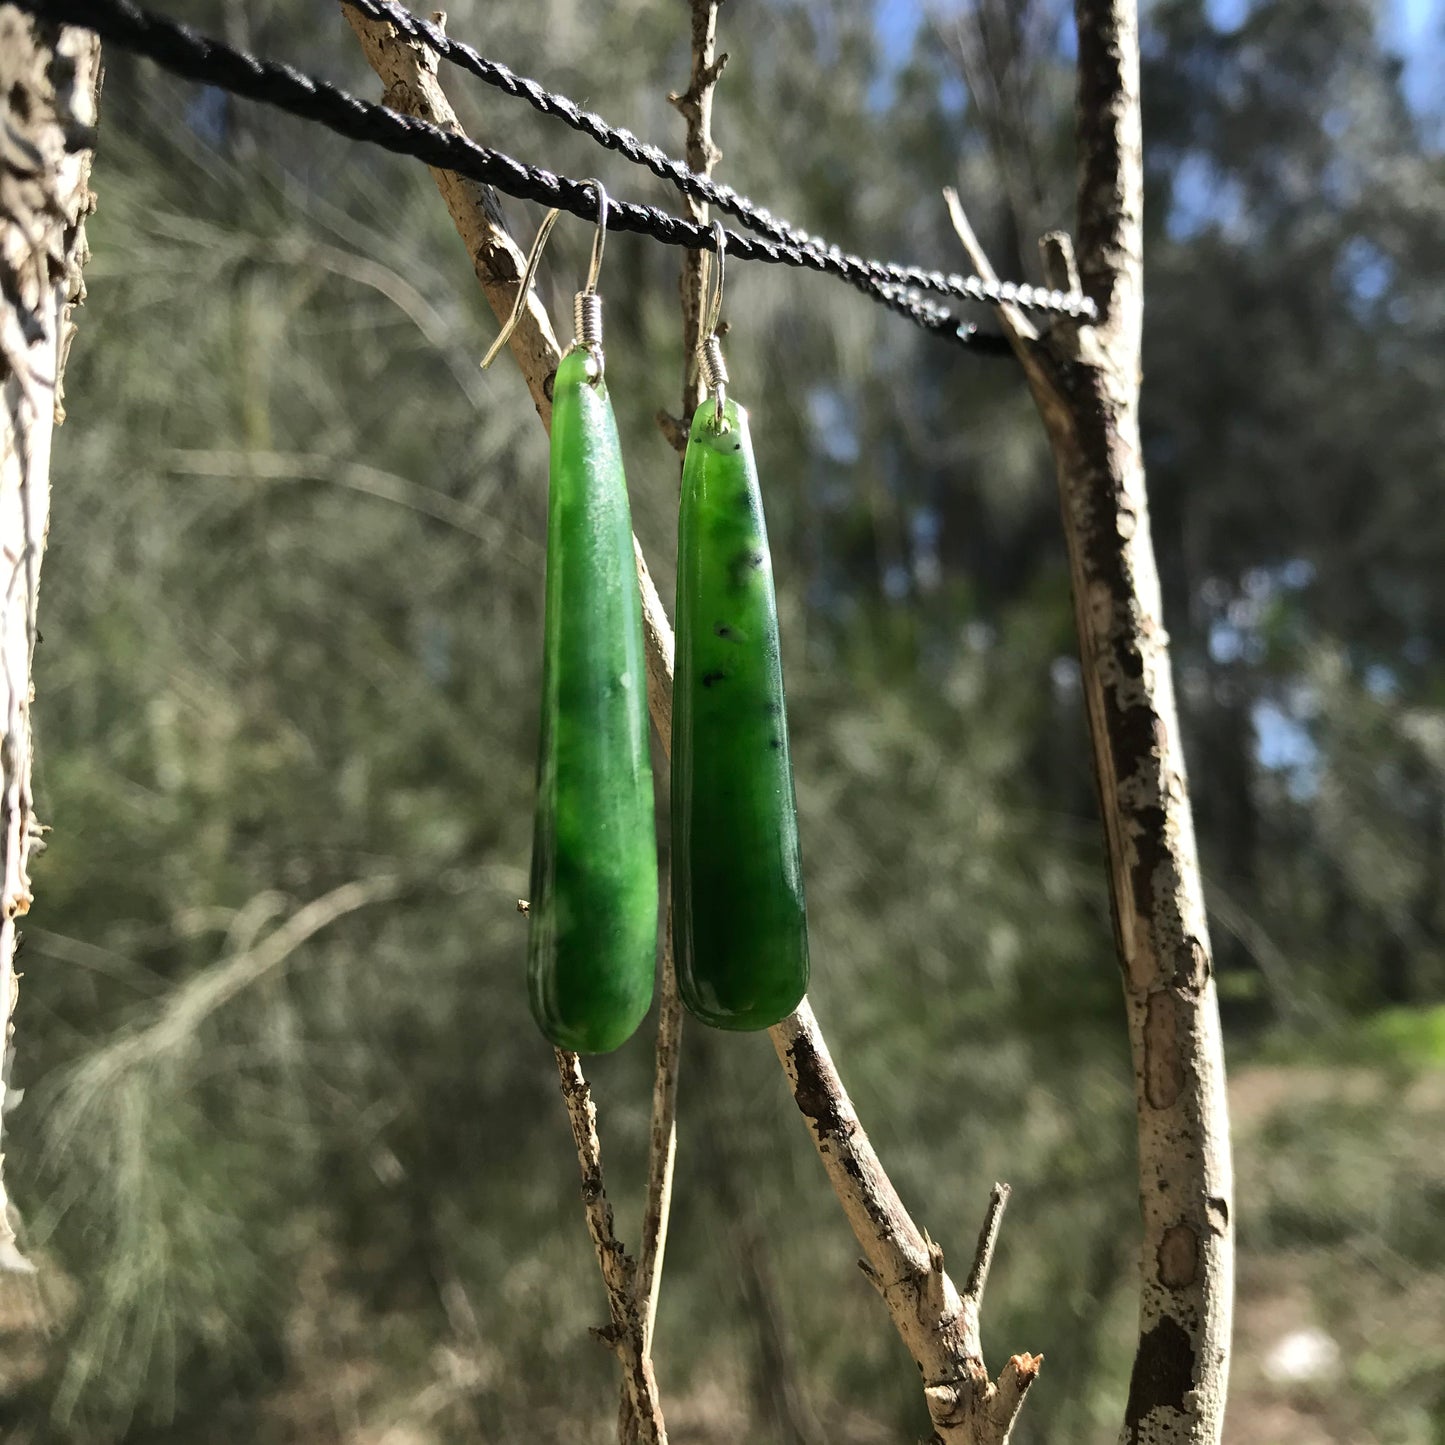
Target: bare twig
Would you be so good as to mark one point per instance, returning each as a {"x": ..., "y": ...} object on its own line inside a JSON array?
[
  {"x": 994, "y": 42},
  {"x": 662, "y": 1143},
  {"x": 695, "y": 106},
  {"x": 370, "y": 481},
  {"x": 191, "y": 1003},
  {"x": 624, "y": 1334},
  {"x": 939, "y": 1325},
  {"x": 987, "y": 1243},
  {"x": 50, "y": 83},
  {"x": 1085, "y": 382},
  {"x": 776, "y": 1391},
  {"x": 170, "y": 1040},
  {"x": 408, "y": 72}
]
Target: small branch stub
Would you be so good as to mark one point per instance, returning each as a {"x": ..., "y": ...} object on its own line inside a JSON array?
[{"x": 987, "y": 1242}]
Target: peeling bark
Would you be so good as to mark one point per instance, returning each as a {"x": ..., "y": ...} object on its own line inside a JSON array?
[{"x": 50, "y": 81}]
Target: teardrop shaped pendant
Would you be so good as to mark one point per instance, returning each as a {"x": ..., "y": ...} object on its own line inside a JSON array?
[
  {"x": 593, "y": 939},
  {"x": 739, "y": 922}
]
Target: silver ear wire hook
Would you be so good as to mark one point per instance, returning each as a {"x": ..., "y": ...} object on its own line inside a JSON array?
[
  {"x": 524, "y": 287},
  {"x": 586, "y": 304},
  {"x": 599, "y": 240},
  {"x": 711, "y": 365}
]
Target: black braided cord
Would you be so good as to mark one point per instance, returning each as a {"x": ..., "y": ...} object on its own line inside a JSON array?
[
  {"x": 197, "y": 57},
  {"x": 703, "y": 188}
]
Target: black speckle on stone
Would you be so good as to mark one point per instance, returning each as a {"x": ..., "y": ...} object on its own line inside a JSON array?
[
  {"x": 721, "y": 629},
  {"x": 775, "y": 743},
  {"x": 708, "y": 678},
  {"x": 743, "y": 564}
]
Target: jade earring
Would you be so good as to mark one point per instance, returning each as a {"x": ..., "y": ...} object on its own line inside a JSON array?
[
  {"x": 739, "y": 921},
  {"x": 591, "y": 955}
]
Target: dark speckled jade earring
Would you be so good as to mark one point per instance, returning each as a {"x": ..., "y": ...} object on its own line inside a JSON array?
[
  {"x": 740, "y": 926},
  {"x": 593, "y": 942}
]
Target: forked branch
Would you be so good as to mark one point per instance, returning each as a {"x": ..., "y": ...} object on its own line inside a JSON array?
[{"x": 938, "y": 1323}]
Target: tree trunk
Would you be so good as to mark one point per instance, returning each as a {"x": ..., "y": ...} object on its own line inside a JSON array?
[
  {"x": 1085, "y": 378},
  {"x": 50, "y": 78},
  {"x": 1181, "y": 1368}
]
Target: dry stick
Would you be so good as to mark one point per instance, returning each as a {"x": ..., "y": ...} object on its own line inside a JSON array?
[
  {"x": 1085, "y": 381},
  {"x": 662, "y": 1144},
  {"x": 939, "y": 1325},
  {"x": 50, "y": 83},
  {"x": 624, "y": 1334},
  {"x": 408, "y": 71},
  {"x": 370, "y": 481},
  {"x": 661, "y": 1155},
  {"x": 696, "y": 107},
  {"x": 202, "y": 995}
]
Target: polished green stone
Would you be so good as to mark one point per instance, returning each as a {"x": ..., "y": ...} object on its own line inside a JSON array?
[
  {"x": 739, "y": 924},
  {"x": 593, "y": 940}
]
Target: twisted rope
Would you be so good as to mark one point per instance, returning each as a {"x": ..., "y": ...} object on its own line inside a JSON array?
[
  {"x": 203, "y": 58},
  {"x": 704, "y": 188}
]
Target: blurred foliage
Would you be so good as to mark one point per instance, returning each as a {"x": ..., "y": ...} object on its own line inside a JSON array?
[{"x": 319, "y": 1187}]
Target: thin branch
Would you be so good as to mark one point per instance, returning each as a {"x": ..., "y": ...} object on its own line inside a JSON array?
[
  {"x": 409, "y": 72},
  {"x": 360, "y": 477},
  {"x": 204, "y": 993},
  {"x": 624, "y": 1334},
  {"x": 695, "y": 106},
  {"x": 174, "y": 1028},
  {"x": 702, "y": 154},
  {"x": 987, "y": 1243},
  {"x": 1085, "y": 382},
  {"x": 49, "y": 84},
  {"x": 777, "y": 1396},
  {"x": 939, "y": 1325},
  {"x": 407, "y": 298},
  {"x": 662, "y": 1143},
  {"x": 1016, "y": 323}
]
